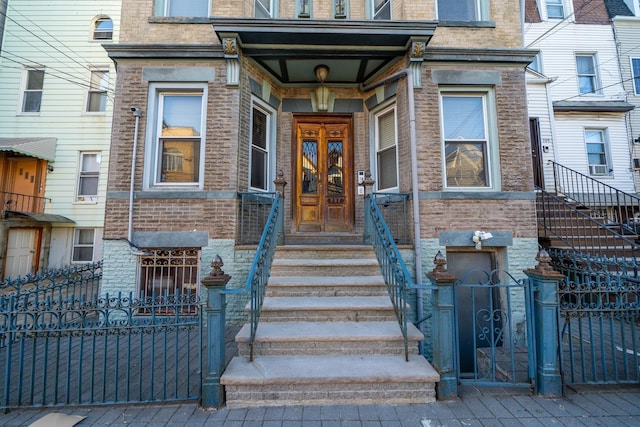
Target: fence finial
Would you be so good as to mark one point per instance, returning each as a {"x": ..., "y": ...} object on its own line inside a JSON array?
[
  {"x": 440, "y": 262},
  {"x": 216, "y": 264}
]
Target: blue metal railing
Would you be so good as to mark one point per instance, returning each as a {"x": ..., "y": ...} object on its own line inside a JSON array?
[
  {"x": 395, "y": 211},
  {"x": 254, "y": 212},
  {"x": 272, "y": 235}
]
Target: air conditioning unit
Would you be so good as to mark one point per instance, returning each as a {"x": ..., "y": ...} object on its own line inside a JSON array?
[
  {"x": 598, "y": 169},
  {"x": 636, "y": 163},
  {"x": 102, "y": 35}
]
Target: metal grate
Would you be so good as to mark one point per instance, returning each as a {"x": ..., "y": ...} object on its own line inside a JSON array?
[{"x": 169, "y": 271}]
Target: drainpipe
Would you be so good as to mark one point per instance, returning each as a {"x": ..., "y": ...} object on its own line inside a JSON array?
[
  {"x": 414, "y": 179},
  {"x": 137, "y": 113}
]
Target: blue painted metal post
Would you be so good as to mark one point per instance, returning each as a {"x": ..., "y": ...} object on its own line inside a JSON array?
[
  {"x": 544, "y": 280},
  {"x": 368, "y": 182},
  {"x": 444, "y": 347},
  {"x": 212, "y": 392},
  {"x": 280, "y": 183}
]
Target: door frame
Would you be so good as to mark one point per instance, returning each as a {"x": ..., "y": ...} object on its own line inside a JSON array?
[
  {"x": 348, "y": 158},
  {"x": 37, "y": 244}
]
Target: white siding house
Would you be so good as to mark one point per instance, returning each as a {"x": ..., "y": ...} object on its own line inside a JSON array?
[
  {"x": 588, "y": 119},
  {"x": 58, "y": 86}
]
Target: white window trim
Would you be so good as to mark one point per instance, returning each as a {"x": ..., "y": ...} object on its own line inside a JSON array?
[
  {"x": 90, "y": 90},
  {"x": 635, "y": 80},
  {"x": 565, "y": 11},
  {"x": 271, "y": 149},
  {"x": 379, "y": 111},
  {"x": 274, "y": 8},
  {"x": 491, "y": 130},
  {"x": 299, "y": 10},
  {"x": 346, "y": 11},
  {"x": 92, "y": 30},
  {"x": 596, "y": 72},
  {"x": 370, "y": 7},
  {"x": 151, "y": 140},
  {"x": 23, "y": 86},
  {"x": 74, "y": 245},
  {"x": 87, "y": 198},
  {"x": 164, "y": 5},
  {"x": 482, "y": 10},
  {"x": 608, "y": 172}
]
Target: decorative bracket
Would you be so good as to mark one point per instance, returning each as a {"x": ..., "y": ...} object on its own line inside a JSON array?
[
  {"x": 230, "y": 46},
  {"x": 416, "y": 58}
]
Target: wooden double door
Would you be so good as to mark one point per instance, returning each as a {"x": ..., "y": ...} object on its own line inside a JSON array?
[{"x": 324, "y": 173}]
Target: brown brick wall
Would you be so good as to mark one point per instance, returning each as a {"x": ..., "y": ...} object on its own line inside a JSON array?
[
  {"x": 531, "y": 12},
  {"x": 591, "y": 12}
]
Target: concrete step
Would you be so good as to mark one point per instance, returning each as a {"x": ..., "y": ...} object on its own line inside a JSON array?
[
  {"x": 328, "y": 338},
  {"x": 325, "y": 267},
  {"x": 327, "y": 309},
  {"x": 325, "y": 251},
  {"x": 324, "y": 380},
  {"x": 326, "y": 238},
  {"x": 310, "y": 286}
]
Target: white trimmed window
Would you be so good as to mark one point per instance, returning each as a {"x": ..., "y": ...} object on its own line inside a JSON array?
[
  {"x": 379, "y": 9},
  {"x": 635, "y": 72},
  {"x": 555, "y": 9},
  {"x": 265, "y": 8},
  {"x": 195, "y": 8},
  {"x": 97, "y": 95},
  {"x": 304, "y": 8},
  {"x": 341, "y": 9},
  {"x": 596, "y": 143},
  {"x": 32, "y": 91},
  {"x": 103, "y": 29},
  {"x": 536, "y": 64},
  {"x": 262, "y": 137},
  {"x": 83, "y": 244},
  {"x": 463, "y": 10},
  {"x": 386, "y": 146},
  {"x": 588, "y": 79},
  {"x": 175, "y": 156},
  {"x": 467, "y": 140},
  {"x": 88, "y": 177}
]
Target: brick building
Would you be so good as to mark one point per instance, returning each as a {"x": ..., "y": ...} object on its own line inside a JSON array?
[{"x": 230, "y": 92}]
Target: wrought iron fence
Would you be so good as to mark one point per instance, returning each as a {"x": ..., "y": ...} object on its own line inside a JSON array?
[
  {"x": 116, "y": 349},
  {"x": 22, "y": 202},
  {"x": 599, "y": 311},
  {"x": 69, "y": 283},
  {"x": 272, "y": 235},
  {"x": 395, "y": 211},
  {"x": 254, "y": 213},
  {"x": 613, "y": 207}
]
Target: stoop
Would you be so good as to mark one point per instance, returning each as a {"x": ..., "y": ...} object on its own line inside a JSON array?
[{"x": 328, "y": 334}]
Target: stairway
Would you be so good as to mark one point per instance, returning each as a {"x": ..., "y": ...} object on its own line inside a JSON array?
[{"x": 328, "y": 334}]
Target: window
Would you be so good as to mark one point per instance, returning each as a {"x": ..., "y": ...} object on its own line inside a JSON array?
[
  {"x": 262, "y": 129},
  {"x": 264, "y": 8},
  {"x": 587, "y": 76},
  {"x": 97, "y": 96},
  {"x": 169, "y": 271},
  {"x": 635, "y": 72},
  {"x": 466, "y": 140},
  {"x": 555, "y": 9},
  {"x": 459, "y": 10},
  {"x": 83, "y": 241},
  {"x": 88, "y": 176},
  {"x": 32, "y": 96},
  {"x": 175, "y": 156},
  {"x": 386, "y": 149},
  {"x": 182, "y": 8},
  {"x": 304, "y": 8},
  {"x": 596, "y": 151},
  {"x": 340, "y": 9},
  {"x": 381, "y": 9},
  {"x": 103, "y": 29},
  {"x": 536, "y": 64}
]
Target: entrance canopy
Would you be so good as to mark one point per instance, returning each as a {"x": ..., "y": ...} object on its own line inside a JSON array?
[
  {"x": 39, "y": 147},
  {"x": 290, "y": 49}
]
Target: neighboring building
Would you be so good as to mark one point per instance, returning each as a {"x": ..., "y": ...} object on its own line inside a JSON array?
[
  {"x": 231, "y": 92},
  {"x": 578, "y": 107},
  {"x": 625, "y": 15},
  {"x": 57, "y": 87}
]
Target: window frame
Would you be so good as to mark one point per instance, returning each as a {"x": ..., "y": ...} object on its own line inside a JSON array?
[
  {"x": 82, "y": 174},
  {"x": 604, "y": 141},
  {"x": 382, "y": 110},
  {"x": 99, "y": 91},
  {"x": 635, "y": 78},
  {"x": 299, "y": 12},
  {"x": 77, "y": 245},
  {"x": 595, "y": 76},
  {"x": 273, "y": 13},
  {"x": 159, "y": 264},
  {"x": 481, "y": 12},
  {"x": 371, "y": 14},
  {"x": 538, "y": 61},
  {"x": 556, "y": 4},
  {"x": 269, "y": 150},
  {"x": 25, "y": 90},
  {"x": 152, "y": 161},
  {"x": 345, "y": 15},
  {"x": 94, "y": 29},
  {"x": 164, "y": 7},
  {"x": 491, "y": 143}
]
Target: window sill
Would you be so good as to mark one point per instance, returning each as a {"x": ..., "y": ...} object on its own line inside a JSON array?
[
  {"x": 85, "y": 202},
  {"x": 467, "y": 24},
  {"x": 179, "y": 20}
]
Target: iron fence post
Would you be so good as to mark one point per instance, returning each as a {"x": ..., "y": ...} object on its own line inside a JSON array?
[
  {"x": 368, "y": 182},
  {"x": 212, "y": 392},
  {"x": 443, "y": 329},
  {"x": 544, "y": 280},
  {"x": 280, "y": 183}
]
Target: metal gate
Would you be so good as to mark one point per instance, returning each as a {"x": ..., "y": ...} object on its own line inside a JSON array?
[
  {"x": 494, "y": 329},
  {"x": 599, "y": 314},
  {"x": 117, "y": 349}
]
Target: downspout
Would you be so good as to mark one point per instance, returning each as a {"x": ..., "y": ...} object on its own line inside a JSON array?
[
  {"x": 137, "y": 113},
  {"x": 414, "y": 180}
]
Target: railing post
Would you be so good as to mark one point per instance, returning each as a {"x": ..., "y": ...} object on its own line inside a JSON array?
[
  {"x": 544, "y": 280},
  {"x": 368, "y": 182},
  {"x": 212, "y": 393},
  {"x": 443, "y": 329},
  {"x": 280, "y": 183}
]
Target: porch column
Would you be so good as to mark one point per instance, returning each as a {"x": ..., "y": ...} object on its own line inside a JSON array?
[
  {"x": 544, "y": 280},
  {"x": 212, "y": 392},
  {"x": 443, "y": 329}
]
